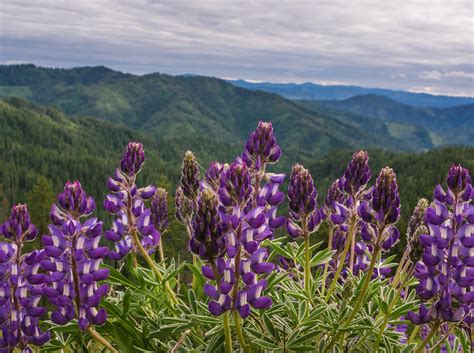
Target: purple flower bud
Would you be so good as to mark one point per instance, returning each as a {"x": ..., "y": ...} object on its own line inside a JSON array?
[
  {"x": 207, "y": 241},
  {"x": 19, "y": 227},
  {"x": 236, "y": 185},
  {"x": 357, "y": 174},
  {"x": 301, "y": 192},
  {"x": 459, "y": 181},
  {"x": 385, "y": 198},
  {"x": 133, "y": 159},
  {"x": 262, "y": 145},
  {"x": 190, "y": 176},
  {"x": 159, "y": 210},
  {"x": 213, "y": 175},
  {"x": 184, "y": 208},
  {"x": 73, "y": 200}
]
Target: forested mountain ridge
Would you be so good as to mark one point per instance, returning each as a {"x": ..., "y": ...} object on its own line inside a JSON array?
[
  {"x": 444, "y": 124},
  {"x": 199, "y": 111}
]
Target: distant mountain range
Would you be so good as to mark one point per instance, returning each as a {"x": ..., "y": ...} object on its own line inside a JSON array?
[
  {"x": 313, "y": 91},
  {"x": 435, "y": 126},
  {"x": 204, "y": 114}
]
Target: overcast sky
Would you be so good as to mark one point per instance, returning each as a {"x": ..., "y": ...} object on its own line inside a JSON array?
[{"x": 418, "y": 45}]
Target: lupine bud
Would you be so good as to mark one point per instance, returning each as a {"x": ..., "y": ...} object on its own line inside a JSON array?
[
  {"x": 459, "y": 181},
  {"x": 190, "y": 176},
  {"x": 301, "y": 192},
  {"x": 184, "y": 207},
  {"x": 236, "y": 185},
  {"x": 133, "y": 159},
  {"x": 213, "y": 175},
  {"x": 262, "y": 146},
  {"x": 127, "y": 204},
  {"x": 19, "y": 227},
  {"x": 21, "y": 285},
  {"x": 302, "y": 202},
  {"x": 446, "y": 269},
  {"x": 207, "y": 241},
  {"x": 73, "y": 200},
  {"x": 384, "y": 207},
  {"x": 357, "y": 174},
  {"x": 159, "y": 210},
  {"x": 73, "y": 264},
  {"x": 416, "y": 226}
]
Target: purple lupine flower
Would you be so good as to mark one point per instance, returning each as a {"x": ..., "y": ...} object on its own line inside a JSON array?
[
  {"x": 302, "y": 196},
  {"x": 21, "y": 285},
  {"x": 159, "y": 210},
  {"x": 261, "y": 147},
  {"x": 73, "y": 261},
  {"x": 190, "y": 176},
  {"x": 247, "y": 215},
  {"x": 127, "y": 205},
  {"x": 446, "y": 268}
]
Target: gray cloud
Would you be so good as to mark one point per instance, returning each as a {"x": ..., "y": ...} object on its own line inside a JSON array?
[{"x": 424, "y": 45}]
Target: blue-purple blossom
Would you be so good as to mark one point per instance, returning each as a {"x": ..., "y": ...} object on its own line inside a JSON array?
[
  {"x": 73, "y": 260},
  {"x": 127, "y": 204},
  {"x": 207, "y": 241},
  {"x": 21, "y": 285},
  {"x": 159, "y": 210},
  {"x": 356, "y": 175},
  {"x": 247, "y": 215},
  {"x": 446, "y": 268},
  {"x": 261, "y": 147},
  {"x": 302, "y": 196}
]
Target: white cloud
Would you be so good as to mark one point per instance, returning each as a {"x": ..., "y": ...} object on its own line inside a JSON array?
[{"x": 362, "y": 42}]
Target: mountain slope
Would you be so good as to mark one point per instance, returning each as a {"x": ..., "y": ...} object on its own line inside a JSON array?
[
  {"x": 447, "y": 126},
  {"x": 200, "y": 112},
  {"x": 312, "y": 91},
  {"x": 407, "y": 134}
]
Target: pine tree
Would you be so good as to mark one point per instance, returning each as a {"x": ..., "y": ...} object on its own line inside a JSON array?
[{"x": 40, "y": 199}]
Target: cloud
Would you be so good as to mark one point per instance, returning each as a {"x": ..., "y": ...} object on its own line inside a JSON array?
[{"x": 361, "y": 42}]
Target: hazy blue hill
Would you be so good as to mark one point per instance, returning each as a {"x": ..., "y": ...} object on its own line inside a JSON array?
[
  {"x": 447, "y": 126},
  {"x": 200, "y": 112},
  {"x": 312, "y": 91}
]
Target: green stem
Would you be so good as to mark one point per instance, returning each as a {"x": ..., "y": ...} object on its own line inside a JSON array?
[
  {"x": 423, "y": 344},
  {"x": 413, "y": 334},
  {"x": 153, "y": 267},
  {"x": 307, "y": 263},
  {"x": 227, "y": 333},
  {"x": 365, "y": 287},
  {"x": 240, "y": 334},
  {"x": 326, "y": 265},
  {"x": 400, "y": 267},
  {"x": 101, "y": 339},
  {"x": 352, "y": 240},
  {"x": 387, "y": 315},
  {"x": 342, "y": 260}
]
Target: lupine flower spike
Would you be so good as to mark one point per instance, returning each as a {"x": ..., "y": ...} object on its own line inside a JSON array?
[
  {"x": 305, "y": 216},
  {"x": 134, "y": 228},
  {"x": 21, "y": 285},
  {"x": 446, "y": 268},
  {"x": 74, "y": 259}
]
